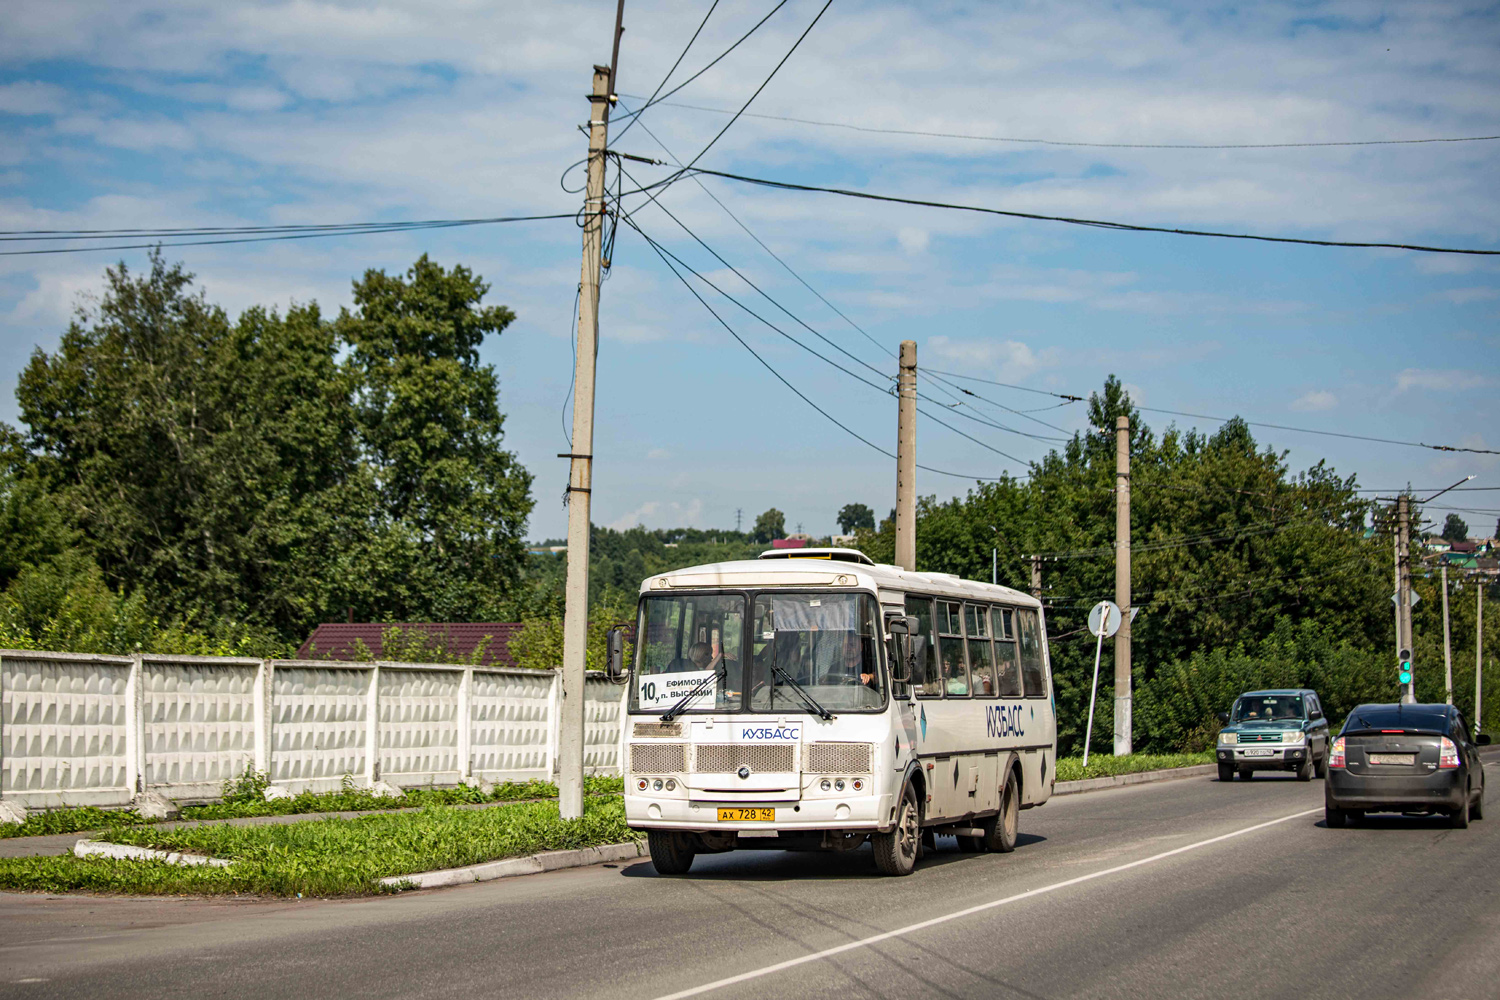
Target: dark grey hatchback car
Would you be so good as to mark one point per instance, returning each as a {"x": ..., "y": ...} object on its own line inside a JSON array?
[{"x": 1414, "y": 759}]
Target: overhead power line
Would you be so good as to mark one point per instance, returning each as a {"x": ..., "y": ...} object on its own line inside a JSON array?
[
  {"x": 660, "y": 252},
  {"x": 1309, "y": 430},
  {"x": 1097, "y": 223},
  {"x": 279, "y": 233},
  {"x": 1061, "y": 142},
  {"x": 680, "y": 56}
]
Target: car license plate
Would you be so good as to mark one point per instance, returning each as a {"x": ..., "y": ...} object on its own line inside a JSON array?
[
  {"x": 751, "y": 814},
  {"x": 1258, "y": 753},
  {"x": 1402, "y": 759}
]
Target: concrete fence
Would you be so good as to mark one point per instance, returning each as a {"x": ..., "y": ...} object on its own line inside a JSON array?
[{"x": 79, "y": 729}]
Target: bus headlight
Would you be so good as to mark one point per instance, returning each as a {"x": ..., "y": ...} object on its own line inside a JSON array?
[
  {"x": 671, "y": 784},
  {"x": 839, "y": 784},
  {"x": 826, "y": 785}
]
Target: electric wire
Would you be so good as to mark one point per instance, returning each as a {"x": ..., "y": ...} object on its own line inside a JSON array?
[
  {"x": 680, "y": 56},
  {"x": 763, "y": 84},
  {"x": 316, "y": 233},
  {"x": 781, "y": 378},
  {"x": 1308, "y": 430},
  {"x": 711, "y": 65},
  {"x": 1096, "y": 223},
  {"x": 1092, "y": 145},
  {"x": 654, "y": 198}
]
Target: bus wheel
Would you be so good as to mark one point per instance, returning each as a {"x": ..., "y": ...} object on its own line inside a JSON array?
[
  {"x": 670, "y": 852},
  {"x": 1001, "y": 830},
  {"x": 896, "y": 852}
]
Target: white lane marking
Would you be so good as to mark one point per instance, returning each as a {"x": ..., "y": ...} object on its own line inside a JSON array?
[{"x": 970, "y": 911}]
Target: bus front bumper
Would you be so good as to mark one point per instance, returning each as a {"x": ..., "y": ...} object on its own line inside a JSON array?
[{"x": 853, "y": 812}]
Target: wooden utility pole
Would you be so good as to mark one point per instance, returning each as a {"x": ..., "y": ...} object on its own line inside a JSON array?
[
  {"x": 1403, "y": 588},
  {"x": 1447, "y": 641},
  {"x": 580, "y": 471},
  {"x": 1036, "y": 577},
  {"x": 906, "y": 458},
  {"x": 1122, "y": 586}
]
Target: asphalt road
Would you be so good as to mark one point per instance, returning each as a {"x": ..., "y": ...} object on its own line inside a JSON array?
[{"x": 1188, "y": 888}]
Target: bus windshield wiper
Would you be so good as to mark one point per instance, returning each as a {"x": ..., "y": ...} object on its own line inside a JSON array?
[
  {"x": 697, "y": 689},
  {"x": 807, "y": 699}
]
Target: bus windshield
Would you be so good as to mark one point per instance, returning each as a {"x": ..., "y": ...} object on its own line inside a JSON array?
[{"x": 819, "y": 647}]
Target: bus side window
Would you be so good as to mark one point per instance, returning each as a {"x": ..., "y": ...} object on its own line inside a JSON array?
[
  {"x": 1007, "y": 661},
  {"x": 924, "y": 677},
  {"x": 981, "y": 653},
  {"x": 1033, "y": 673},
  {"x": 951, "y": 648}
]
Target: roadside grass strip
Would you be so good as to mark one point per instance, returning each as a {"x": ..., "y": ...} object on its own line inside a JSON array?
[
  {"x": 1108, "y": 766},
  {"x": 325, "y": 857},
  {"x": 76, "y": 820}
]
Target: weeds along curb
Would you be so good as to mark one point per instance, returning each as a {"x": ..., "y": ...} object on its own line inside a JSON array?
[
  {"x": 104, "y": 849},
  {"x": 534, "y": 864},
  {"x": 1134, "y": 778}
]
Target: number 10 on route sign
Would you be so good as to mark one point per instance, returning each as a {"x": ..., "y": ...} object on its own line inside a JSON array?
[{"x": 1104, "y": 620}]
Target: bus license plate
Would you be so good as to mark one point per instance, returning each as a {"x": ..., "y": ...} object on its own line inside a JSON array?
[
  {"x": 1258, "y": 753},
  {"x": 752, "y": 814}
]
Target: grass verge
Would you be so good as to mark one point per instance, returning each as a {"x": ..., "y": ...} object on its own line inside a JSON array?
[
  {"x": 83, "y": 818},
  {"x": 1107, "y": 765},
  {"x": 326, "y": 857}
]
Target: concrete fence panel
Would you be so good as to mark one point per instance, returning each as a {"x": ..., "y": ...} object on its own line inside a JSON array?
[
  {"x": 419, "y": 724},
  {"x": 65, "y": 726},
  {"x": 603, "y": 710},
  {"x": 320, "y": 723},
  {"x": 511, "y": 724},
  {"x": 199, "y": 722}
]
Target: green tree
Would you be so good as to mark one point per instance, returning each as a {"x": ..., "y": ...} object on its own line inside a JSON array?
[
  {"x": 771, "y": 524},
  {"x": 854, "y": 516},
  {"x": 450, "y": 503},
  {"x": 1455, "y": 529}
]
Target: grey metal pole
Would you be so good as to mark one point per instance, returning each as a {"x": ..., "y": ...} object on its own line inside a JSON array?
[
  {"x": 994, "y": 565},
  {"x": 1447, "y": 641},
  {"x": 580, "y": 472},
  {"x": 906, "y": 458},
  {"x": 1122, "y": 586}
]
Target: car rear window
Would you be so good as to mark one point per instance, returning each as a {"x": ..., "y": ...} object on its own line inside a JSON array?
[{"x": 1368, "y": 718}]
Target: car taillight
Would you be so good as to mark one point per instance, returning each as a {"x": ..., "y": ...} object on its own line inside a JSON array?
[
  {"x": 1449, "y": 755},
  {"x": 1336, "y": 753}
]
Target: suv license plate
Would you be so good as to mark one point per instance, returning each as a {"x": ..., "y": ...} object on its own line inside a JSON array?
[
  {"x": 1401, "y": 759},
  {"x": 750, "y": 814},
  {"x": 1258, "y": 753}
]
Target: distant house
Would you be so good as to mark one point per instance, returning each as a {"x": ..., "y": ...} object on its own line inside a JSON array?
[
  {"x": 1463, "y": 548},
  {"x": 1488, "y": 567},
  {"x": 1437, "y": 544},
  {"x": 341, "y": 640}
]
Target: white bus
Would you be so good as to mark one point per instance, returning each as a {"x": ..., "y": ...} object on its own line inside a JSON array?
[{"x": 812, "y": 700}]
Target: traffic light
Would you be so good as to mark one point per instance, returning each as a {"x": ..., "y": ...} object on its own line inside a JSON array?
[{"x": 1403, "y": 669}]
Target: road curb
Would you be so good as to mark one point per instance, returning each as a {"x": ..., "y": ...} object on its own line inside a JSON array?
[
  {"x": 1136, "y": 778},
  {"x": 535, "y": 864},
  {"x": 105, "y": 849}
]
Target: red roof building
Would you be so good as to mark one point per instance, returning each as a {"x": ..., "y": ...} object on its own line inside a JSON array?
[{"x": 339, "y": 640}]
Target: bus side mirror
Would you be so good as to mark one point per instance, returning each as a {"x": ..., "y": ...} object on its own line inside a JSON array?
[
  {"x": 1222, "y": 716},
  {"x": 614, "y": 656}
]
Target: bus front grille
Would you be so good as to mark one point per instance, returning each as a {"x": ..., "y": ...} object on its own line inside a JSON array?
[
  {"x": 657, "y": 729},
  {"x": 658, "y": 758},
  {"x": 727, "y": 758},
  {"x": 838, "y": 758}
]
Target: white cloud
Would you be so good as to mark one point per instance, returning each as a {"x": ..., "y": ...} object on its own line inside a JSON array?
[
  {"x": 658, "y": 454},
  {"x": 913, "y": 240},
  {"x": 1442, "y": 381},
  {"x": 1010, "y": 358},
  {"x": 29, "y": 97},
  {"x": 661, "y": 514},
  {"x": 1464, "y": 296},
  {"x": 1315, "y": 401}
]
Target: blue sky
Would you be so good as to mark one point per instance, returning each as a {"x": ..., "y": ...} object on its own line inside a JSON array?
[{"x": 165, "y": 113}]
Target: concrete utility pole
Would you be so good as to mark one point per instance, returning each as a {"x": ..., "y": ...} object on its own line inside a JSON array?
[
  {"x": 1403, "y": 588},
  {"x": 1122, "y": 586},
  {"x": 906, "y": 458},
  {"x": 1036, "y": 577},
  {"x": 580, "y": 472},
  {"x": 1447, "y": 641},
  {"x": 1478, "y": 655}
]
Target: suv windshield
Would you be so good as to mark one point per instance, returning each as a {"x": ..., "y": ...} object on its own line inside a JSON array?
[
  {"x": 1268, "y": 708},
  {"x": 825, "y": 644}
]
